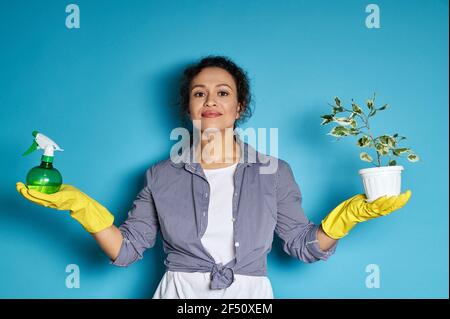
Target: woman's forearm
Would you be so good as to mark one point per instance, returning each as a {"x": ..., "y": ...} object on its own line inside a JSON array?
[
  {"x": 325, "y": 241},
  {"x": 110, "y": 240}
]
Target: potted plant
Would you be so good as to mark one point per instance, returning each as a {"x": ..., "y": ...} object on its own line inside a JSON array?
[{"x": 385, "y": 177}]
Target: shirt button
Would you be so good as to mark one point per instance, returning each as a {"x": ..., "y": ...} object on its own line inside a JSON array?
[
  {"x": 206, "y": 194},
  {"x": 236, "y": 244},
  {"x": 204, "y": 213}
]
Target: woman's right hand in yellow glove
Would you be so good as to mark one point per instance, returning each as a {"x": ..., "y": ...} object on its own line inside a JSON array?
[
  {"x": 88, "y": 212},
  {"x": 356, "y": 209}
]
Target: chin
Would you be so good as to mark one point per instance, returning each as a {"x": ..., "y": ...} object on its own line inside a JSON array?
[
  {"x": 213, "y": 124},
  {"x": 212, "y": 128}
]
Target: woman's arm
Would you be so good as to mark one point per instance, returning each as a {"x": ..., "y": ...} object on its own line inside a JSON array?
[
  {"x": 299, "y": 235},
  {"x": 325, "y": 241},
  {"x": 110, "y": 240}
]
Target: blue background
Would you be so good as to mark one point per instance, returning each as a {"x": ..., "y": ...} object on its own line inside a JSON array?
[{"x": 105, "y": 93}]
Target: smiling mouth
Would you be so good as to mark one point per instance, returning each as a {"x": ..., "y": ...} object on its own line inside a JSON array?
[{"x": 211, "y": 114}]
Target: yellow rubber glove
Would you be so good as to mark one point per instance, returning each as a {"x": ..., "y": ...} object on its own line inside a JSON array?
[
  {"x": 355, "y": 210},
  {"x": 89, "y": 213}
]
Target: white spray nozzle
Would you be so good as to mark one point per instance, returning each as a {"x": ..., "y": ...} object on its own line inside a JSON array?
[
  {"x": 47, "y": 144},
  {"x": 43, "y": 142}
]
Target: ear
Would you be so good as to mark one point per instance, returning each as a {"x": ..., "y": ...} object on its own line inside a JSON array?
[{"x": 239, "y": 109}]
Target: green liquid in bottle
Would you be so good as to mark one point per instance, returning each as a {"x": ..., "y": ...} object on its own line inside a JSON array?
[{"x": 44, "y": 178}]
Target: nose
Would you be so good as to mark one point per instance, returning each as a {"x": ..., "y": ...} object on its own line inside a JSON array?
[{"x": 210, "y": 101}]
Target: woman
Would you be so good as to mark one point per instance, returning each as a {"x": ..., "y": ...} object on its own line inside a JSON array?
[{"x": 217, "y": 214}]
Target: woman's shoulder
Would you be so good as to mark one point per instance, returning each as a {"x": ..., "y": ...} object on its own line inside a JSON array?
[
  {"x": 161, "y": 166},
  {"x": 271, "y": 163},
  {"x": 159, "y": 171}
]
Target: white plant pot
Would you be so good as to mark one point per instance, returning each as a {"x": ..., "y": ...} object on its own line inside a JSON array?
[{"x": 380, "y": 181}]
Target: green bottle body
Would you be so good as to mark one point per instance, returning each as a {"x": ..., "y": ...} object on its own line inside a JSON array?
[{"x": 44, "y": 178}]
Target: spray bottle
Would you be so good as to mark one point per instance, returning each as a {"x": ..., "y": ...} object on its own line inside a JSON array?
[{"x": 44, "y": 178}]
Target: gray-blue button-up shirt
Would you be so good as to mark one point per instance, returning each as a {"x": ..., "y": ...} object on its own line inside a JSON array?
[{"x": 175, "y": 201}]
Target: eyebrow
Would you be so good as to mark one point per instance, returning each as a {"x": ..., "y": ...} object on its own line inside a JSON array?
[{"x": 201, "y": 85}]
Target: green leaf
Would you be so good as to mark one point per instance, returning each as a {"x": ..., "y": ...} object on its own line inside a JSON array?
[
  {"x": 392, "y": 163},
  {"x": 339, "y": 131},
  {"x": 392, "y": 142},
  {"x": 383, "y": 139},
  {"x": 382, "y": 149},
  {"x": 364, "y": 141},
  {"x": 365, "y": 157},
  {"x": 372, "y": 113},
  {"x": 400, "y": 151},
  {"x": 388, "y": 141},
  {"x": 342, "y": 121},
  {"x": 353, "y": 123},
  {"x": 413, "y": 158},
  {"x": 383, "y": 107},
  {"x": 356, "y": 108},
  {"x": 326, "y": 119},
  {"x": 395, "y": 135},
  {"x": 337, "y": 101},
  {"x": 337, "y": 109},
  {"x": 369, "y": 104}
]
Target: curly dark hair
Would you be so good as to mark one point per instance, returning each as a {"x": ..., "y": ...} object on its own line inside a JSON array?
[{"x": 240, "y": 78}]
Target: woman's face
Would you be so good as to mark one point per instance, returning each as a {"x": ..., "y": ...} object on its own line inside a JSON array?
[{"x": 213, "y": 99}]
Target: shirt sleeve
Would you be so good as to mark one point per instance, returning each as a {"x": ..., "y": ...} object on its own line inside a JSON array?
[
  {"x": 141, "y": 227},
  {"x": 298, "y": 233}
]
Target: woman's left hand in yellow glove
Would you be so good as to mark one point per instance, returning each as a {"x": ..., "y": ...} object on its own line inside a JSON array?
[{"x": 356, "y": 209}]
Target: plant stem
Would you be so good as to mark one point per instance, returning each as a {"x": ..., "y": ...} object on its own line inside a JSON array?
[{"x": 365, "y": 120}]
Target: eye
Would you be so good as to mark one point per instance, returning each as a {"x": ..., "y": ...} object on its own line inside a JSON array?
[
  {"x": 226, "y": 93},
  {"x": 196, "y": 93}
]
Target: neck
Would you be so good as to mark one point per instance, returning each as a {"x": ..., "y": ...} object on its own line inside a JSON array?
[{"x": 218, "y": 147}]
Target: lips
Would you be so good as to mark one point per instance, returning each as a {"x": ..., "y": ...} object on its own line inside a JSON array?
[{"x": 211, "y": 114}]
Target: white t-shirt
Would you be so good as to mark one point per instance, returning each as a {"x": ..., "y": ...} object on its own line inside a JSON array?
[{"x": 219, "y": 242}]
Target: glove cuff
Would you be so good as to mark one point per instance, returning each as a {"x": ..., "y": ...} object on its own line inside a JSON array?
[
  {"x": 337, "y": 224},
  {"x": 94, "y": 217}
]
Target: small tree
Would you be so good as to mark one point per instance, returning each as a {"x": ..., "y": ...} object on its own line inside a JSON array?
[{"x": 355, "y": 122}]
